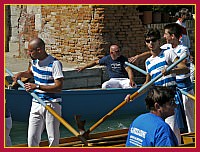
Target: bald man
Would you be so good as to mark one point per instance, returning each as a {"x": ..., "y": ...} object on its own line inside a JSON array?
[
  {"x": 120, "y": 75},
  {"x": 48, "y": 77}
]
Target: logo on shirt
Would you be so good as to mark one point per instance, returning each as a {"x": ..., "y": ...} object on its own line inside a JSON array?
[
  {"x": 138, "y": 132},
  {"x": 116, "y": 65}
]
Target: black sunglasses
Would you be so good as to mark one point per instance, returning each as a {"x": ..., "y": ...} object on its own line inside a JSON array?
[{"x": 151, "y": 40}]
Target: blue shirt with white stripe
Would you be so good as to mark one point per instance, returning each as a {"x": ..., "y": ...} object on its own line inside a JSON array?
[
  {"x": 154, "y": 66},
  {"x": 183, "y": 80},
  {"x": 45, "y": 72},
  {"x": 149, "y": 130}
]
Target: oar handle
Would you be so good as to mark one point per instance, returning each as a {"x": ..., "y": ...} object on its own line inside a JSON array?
[
  {"x": 160, "y": 75},
  {"x": 18, "y": 81},
  {"x": 67, "y": 125},
  {"x": 136, "y": 68},
  {"x": 32, "y": 93},
  {"x": 187, "y": 94},
  {"x": 133, "y": 96},
  {"x": 144, "y": 72}
]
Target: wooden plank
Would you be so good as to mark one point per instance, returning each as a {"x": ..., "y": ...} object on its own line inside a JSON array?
[
  {"x": 192, "y": 144},
  {"x": 115, "y": 138},
  {"x": 98, "y": 141},
  {"x": 68, "y": 141},
  {"x": 188, "y": 138}
]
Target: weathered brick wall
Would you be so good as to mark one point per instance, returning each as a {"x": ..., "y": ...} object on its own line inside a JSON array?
[{"x": 81, "y": 33}]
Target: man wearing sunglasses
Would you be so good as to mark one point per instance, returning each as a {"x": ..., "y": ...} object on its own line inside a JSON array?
[
  {"x": 159, "y": 60},
  {"x": 120, "y": 75}
]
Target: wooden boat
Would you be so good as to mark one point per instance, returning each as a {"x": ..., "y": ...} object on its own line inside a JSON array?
[
  {"x": 91, "y": 104},
  {"x": 115, "y": 138}
]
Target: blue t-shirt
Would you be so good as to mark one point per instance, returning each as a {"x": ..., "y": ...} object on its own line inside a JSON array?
[
  {"x": 149, "y": 130},
  {"x": 115, "y": 68}
]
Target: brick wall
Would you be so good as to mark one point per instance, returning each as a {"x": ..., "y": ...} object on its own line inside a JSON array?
[{"x": 81, "y": 33}]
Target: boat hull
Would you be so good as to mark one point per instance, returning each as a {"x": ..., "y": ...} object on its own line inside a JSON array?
[
  {"x": 90, "y": 104},
  {"x": 114, "y": 138}
]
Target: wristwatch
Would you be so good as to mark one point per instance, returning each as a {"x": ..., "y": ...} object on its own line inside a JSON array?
[{"x": 37, "y": 86}]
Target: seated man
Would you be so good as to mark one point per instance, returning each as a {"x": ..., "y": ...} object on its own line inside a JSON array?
[
  {"x": 150, "y": 129},
  {"x": 120, "y": 75}
]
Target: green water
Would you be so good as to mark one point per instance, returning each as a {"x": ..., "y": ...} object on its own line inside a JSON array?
[{"x": 19, "y": 129}]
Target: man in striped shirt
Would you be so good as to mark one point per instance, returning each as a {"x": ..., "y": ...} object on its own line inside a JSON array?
[
  {"x": 159, "y": 60},
  {"x": 48, "y": 77},
  {"x": 183, "y": 81}
]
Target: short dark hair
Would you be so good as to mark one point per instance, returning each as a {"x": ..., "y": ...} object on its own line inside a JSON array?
[
  {"x": 155, "y": 33},
  {"x": 159, "y": 94},
  {"x": 174, "y": 28}
]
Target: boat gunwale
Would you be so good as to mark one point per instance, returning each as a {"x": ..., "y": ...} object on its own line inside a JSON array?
[{"x": 102, "y": 136}]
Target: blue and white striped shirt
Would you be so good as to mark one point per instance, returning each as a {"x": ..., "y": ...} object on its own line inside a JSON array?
[
  {"x": 154, "y": 66},
  {"x": 45, "y": 72},
  {"x": 183, "y": 80}
]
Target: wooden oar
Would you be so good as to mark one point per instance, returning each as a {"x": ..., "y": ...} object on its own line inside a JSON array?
[
  {"x": 136, "y": 68},
  {"x": 67, "y": 125},
  {"x": 145, "y": 73},
  {"x": 133, "y": 96},
  {"x": 187, "y": 94}
]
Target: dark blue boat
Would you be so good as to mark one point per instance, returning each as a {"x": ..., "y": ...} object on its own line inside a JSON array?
[{"x": 91, "y": 104}]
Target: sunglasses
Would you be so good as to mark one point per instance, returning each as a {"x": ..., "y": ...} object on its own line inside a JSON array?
[
  {"x": 151, "y": 40},
  {"x": 117, "y": 51}
]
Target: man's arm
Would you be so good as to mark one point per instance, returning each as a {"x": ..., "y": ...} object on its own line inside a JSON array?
[
  {"x": 180, "y": 69},
  {"x": 127, "y": 98},
  {"x": 25, "y": 74},
  {"x": 57, "y": 87},
  {"x": 139, "y": 57},
  {"x": 96, "y": 62},
  {"x": 148, "y": 78},
  {"x": 130, "y": 75}
]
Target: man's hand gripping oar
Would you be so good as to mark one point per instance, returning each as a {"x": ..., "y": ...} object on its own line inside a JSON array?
[
  {"x": 145, "y": 73},
  {"x": 141, "y": 90}
]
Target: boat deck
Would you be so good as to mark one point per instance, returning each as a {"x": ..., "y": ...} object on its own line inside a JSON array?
[{"x": 115, "y": 138}]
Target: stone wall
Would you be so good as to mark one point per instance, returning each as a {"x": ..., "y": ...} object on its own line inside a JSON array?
[{"x": 81, "y": 33}]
